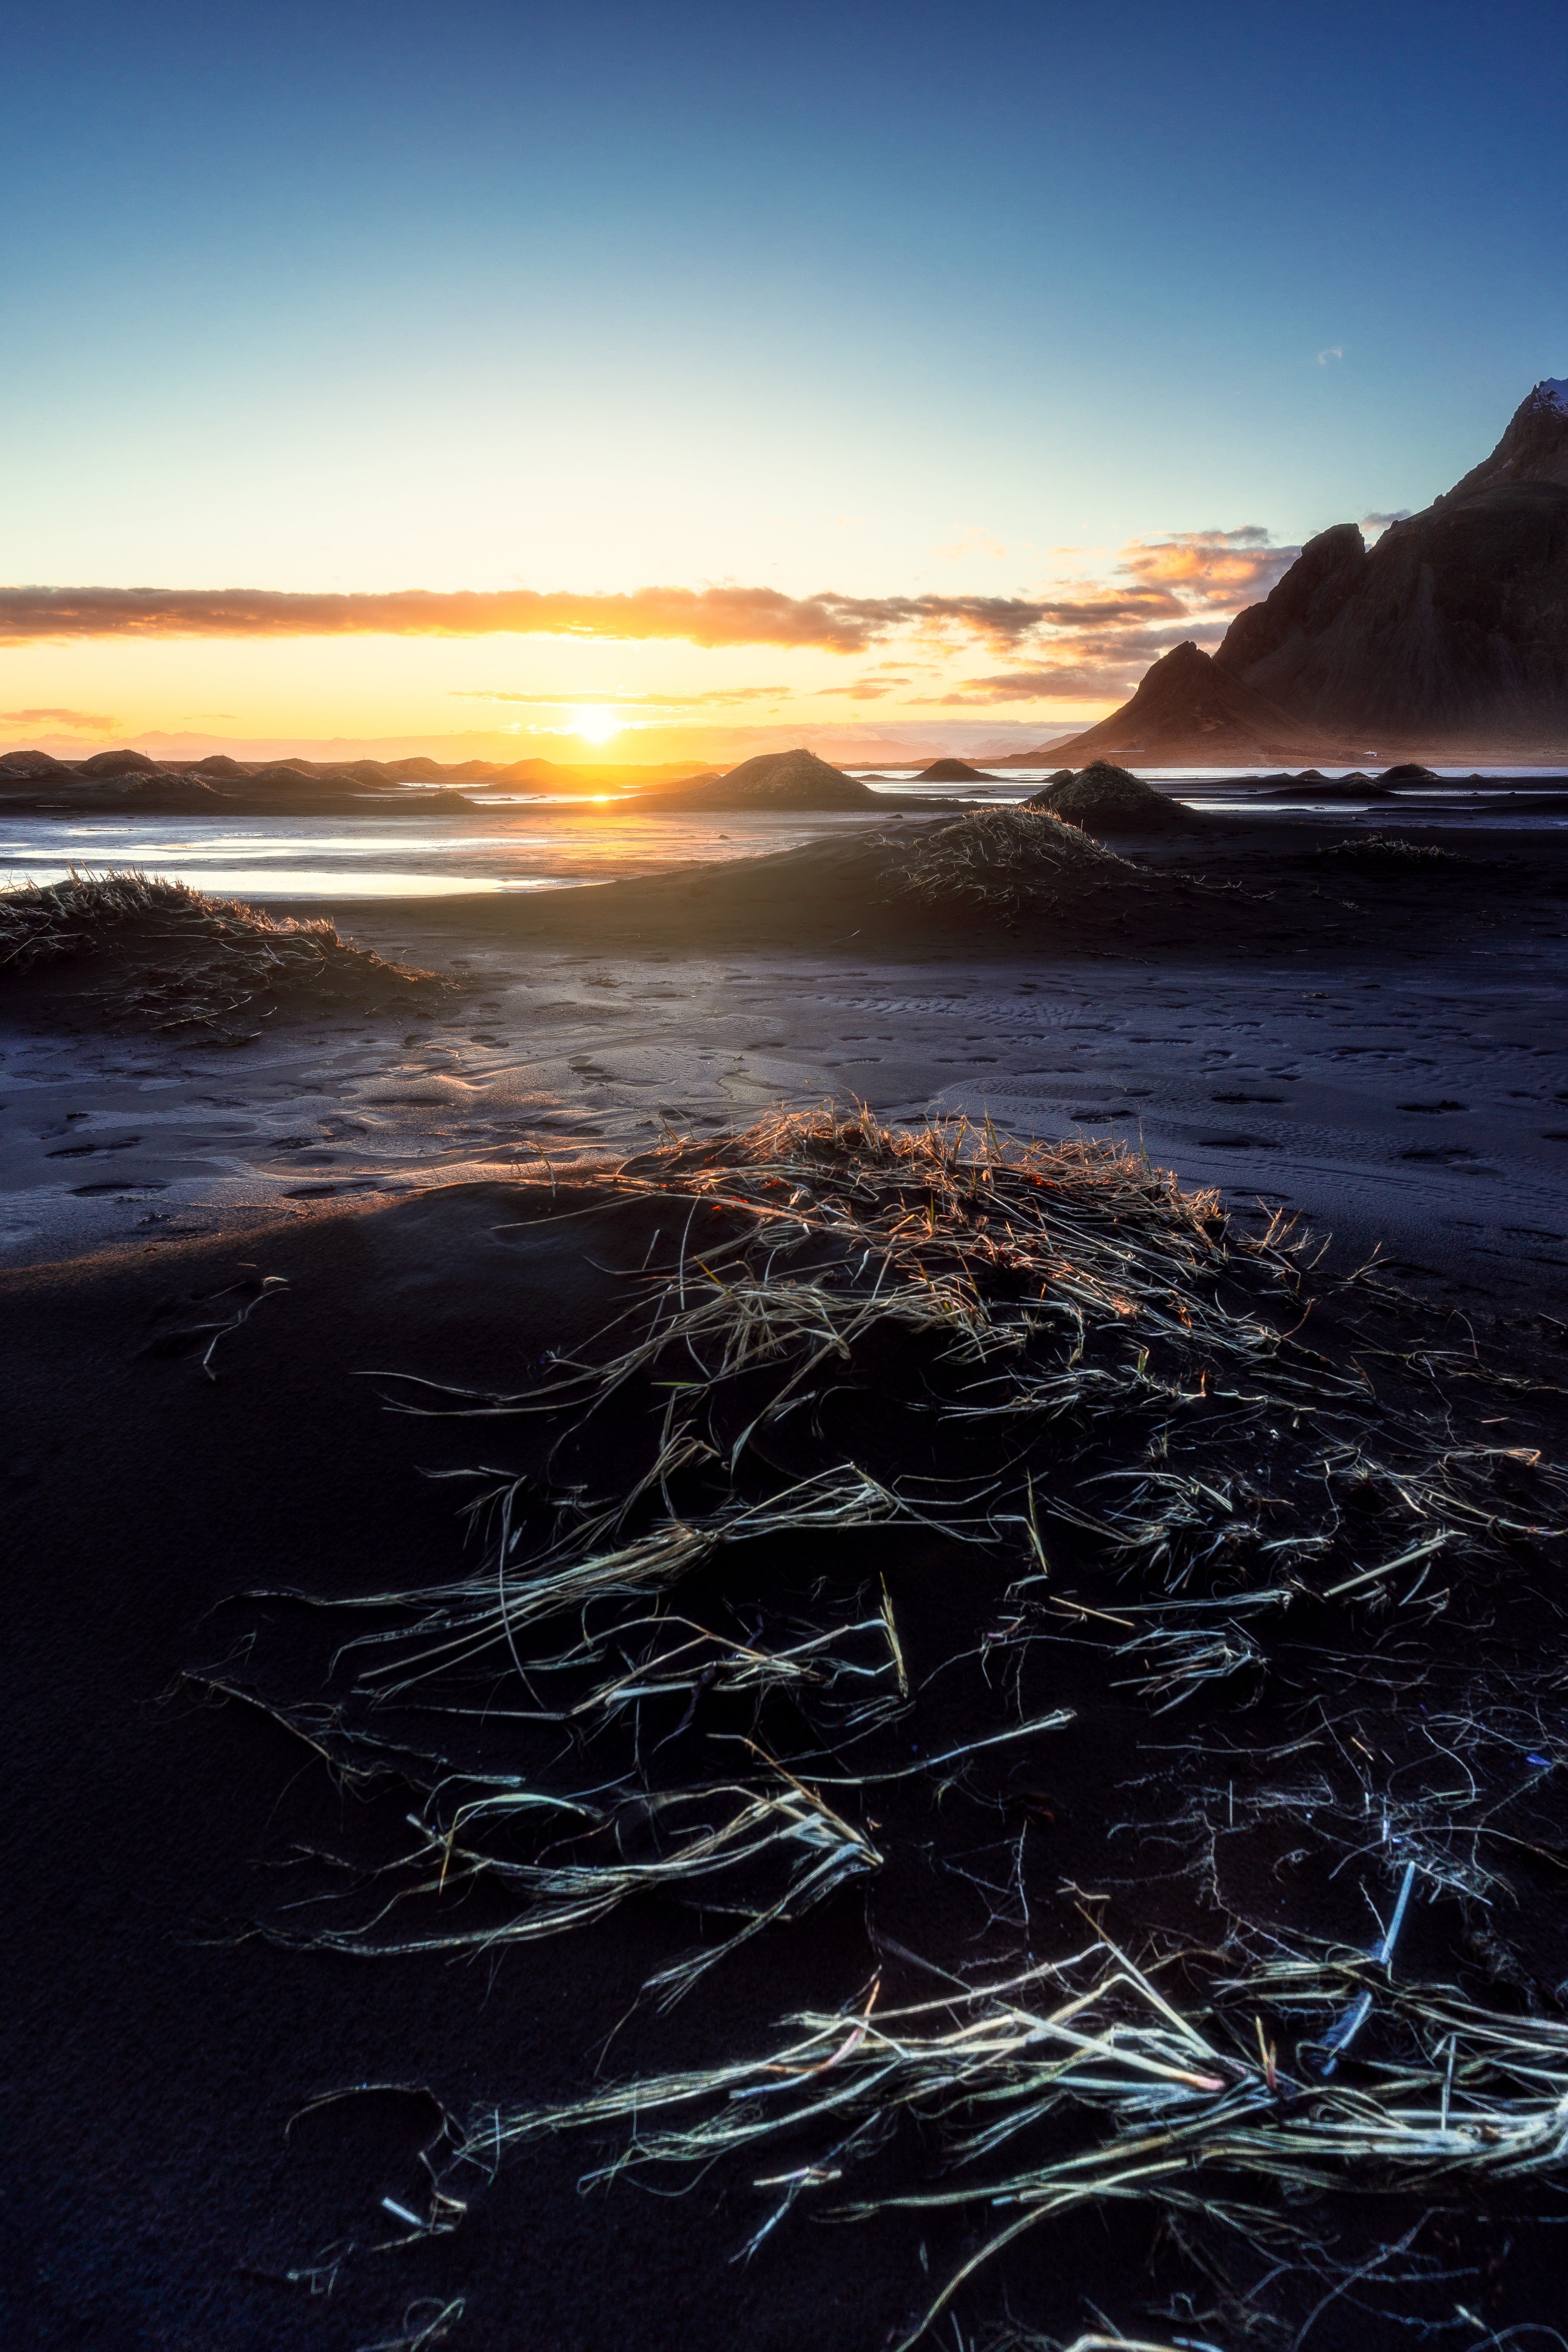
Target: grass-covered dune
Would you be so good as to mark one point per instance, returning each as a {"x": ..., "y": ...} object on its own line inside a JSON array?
[
  {"x": 970, "y": 878},
  {"x": 126, "y": 946}
]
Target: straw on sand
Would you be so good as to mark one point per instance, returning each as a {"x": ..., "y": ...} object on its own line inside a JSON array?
[{"x": 1101, "y": 1368}]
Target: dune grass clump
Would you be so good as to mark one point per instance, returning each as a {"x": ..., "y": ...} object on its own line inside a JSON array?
[
  {"x": 182, "y": 958},
  {"x": 1001, "y": 859},
  {"x": 1388, "y": 850},
  {"x": 1167, "y": 1456},
  {"x": 1198, "y": 2109},
  {"x": 1104, "y": 794}
]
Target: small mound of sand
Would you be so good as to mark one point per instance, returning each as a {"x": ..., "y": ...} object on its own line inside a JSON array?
[
  {"x": 1311, "y": 786},
  {"x": 161, "y": 953},
  {"x": 775, "y": 780},
  {"x": 117, "y": 763},
  {"x": 1105, "y": 795},
  {"x": 31, "y": 763},
  {"x": 997, "y": 857},
  {"x": 284, "y": 776},
  {"x": 955, "y": 771}
]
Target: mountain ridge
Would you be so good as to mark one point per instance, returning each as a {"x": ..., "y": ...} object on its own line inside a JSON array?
[{"x": 1449, "y": 636}]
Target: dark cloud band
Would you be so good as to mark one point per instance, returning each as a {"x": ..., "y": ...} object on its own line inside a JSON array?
[
  {"x": 704, "y": 616},
  {"x": 1080, "y": 640}
]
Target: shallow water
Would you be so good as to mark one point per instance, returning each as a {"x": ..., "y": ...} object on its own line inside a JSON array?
[
  {"x": 520, "y": 843},
  {"x": 541, "y": 846}
]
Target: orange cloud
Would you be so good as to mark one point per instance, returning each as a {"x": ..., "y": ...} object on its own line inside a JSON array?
[
  {"x": 1087, "y": 636},
  {"x": 719, "y": 693},
  {"x": 1210, "y": 566},
  {"x": 704, "y": 616},
  {"x": 83, "y": 722}
]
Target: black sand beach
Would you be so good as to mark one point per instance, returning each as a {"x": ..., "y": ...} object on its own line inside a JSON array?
[{"x": 1373, "y": 1045}]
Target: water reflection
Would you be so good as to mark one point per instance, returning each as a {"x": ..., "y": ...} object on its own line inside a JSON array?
[
  {"x": 556, "y": 844},
  {"x": 530, "y": 842}
]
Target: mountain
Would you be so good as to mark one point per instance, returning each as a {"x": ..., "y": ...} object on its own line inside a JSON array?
[
  {"x": 1454, "y": 625},
  {"x": 1448, "y": 636},
  {"x": 1188, "y": 708}
]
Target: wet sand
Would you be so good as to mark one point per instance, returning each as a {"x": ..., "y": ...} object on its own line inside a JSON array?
[{"x": 1406, "y": 1082}]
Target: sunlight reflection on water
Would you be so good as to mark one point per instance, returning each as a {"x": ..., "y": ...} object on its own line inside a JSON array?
[
  {"x": 554, "y": 846},
  {"x": 525, "y": 843}
]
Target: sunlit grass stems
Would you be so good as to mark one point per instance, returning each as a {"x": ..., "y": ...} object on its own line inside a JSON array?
[
  {"x": 1133, "y": 1362},
  {"x": 1191, "y": 2109},
  {"x": 1097, "y": 1406},
  {"x": 1066, "y": 1288}
]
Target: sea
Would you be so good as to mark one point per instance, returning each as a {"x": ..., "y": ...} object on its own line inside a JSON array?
[{"x": 522, "y": 842}]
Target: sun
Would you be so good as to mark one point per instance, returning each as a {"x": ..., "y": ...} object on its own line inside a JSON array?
[{"x": 596, "y": 725}]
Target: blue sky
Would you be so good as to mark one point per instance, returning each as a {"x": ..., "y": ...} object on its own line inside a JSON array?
[{"x": 888, "y": 301}]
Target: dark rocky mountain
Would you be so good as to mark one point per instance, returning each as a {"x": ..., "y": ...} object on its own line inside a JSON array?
[
  {"x": 1454, "y": 624},
  {"x": 1187, "y": 706},
  {"x": 1449, "y": 636}
]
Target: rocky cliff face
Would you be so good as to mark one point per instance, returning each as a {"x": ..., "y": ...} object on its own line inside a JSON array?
[
  {"x": 1454, "y": 625},
  {"x": 1188, "y": 708},
  {"x": 1533, "y": 449}
]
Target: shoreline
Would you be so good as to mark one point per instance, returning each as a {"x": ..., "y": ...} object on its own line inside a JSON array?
[{"x": 1404, "y": 1073}]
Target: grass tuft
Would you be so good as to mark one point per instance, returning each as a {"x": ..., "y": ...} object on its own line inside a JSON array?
[{"x": 183, "y": 958}]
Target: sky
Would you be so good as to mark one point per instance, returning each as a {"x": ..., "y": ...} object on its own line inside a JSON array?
[{"x": 686, "y": 377}]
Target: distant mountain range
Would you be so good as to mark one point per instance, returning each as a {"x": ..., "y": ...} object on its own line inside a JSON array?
[{"x": 1447, "y": 638}]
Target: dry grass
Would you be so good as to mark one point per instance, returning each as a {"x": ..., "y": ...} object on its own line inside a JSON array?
[
  {"x": 1137, "y": 1374},
  {"x": 1002, "y": 860},
  {"x": 1106, "y": 794},
  {"x": 1066, "y": 1298},
  {"x": 1388, "y": 850},
  {"x": 185, "y": 959},
  {"x": 1193, "y": 2110}
]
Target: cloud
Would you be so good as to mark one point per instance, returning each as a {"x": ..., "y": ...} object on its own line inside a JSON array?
[
  {"x": 1110, "y": 664},
  {"x": 1088, "y": 635},
  {"x": 1210, "y": 567},
  {"x": 614, "y": 701},
  {"x": 1378, "y": 523},
  {"x": 1331, "y": 352},
  {"x": 826, "y": 621},
  {"x": 1062, "y": 681},
  {"x": 84, "y": 722}
]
